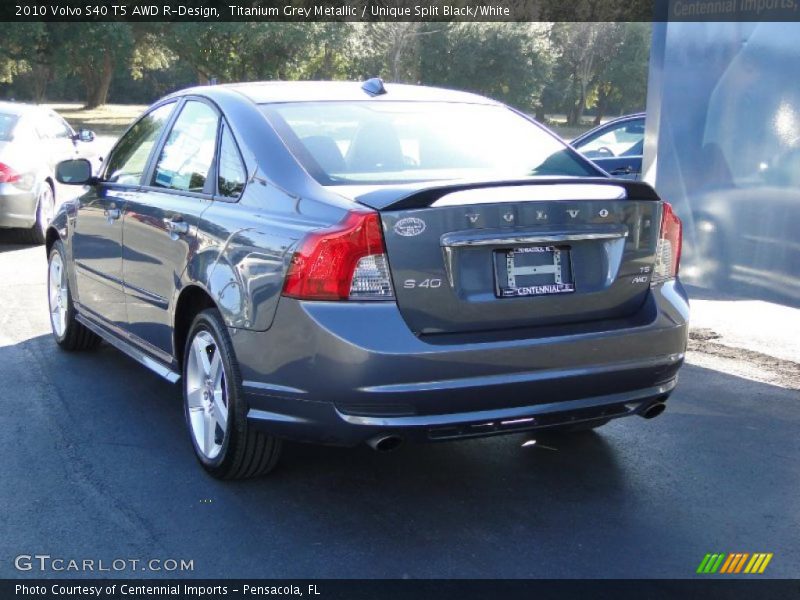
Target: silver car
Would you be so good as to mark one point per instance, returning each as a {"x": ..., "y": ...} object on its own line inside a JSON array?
[{"x": 33, "y": 139}]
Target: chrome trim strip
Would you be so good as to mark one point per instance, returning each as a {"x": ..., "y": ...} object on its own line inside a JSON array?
[
  {"x": 493, "y": 239},
  {"x": 127, "y": 348},
  {"x": 258, "y": 387},
  {"x": 511, "y": 413}
]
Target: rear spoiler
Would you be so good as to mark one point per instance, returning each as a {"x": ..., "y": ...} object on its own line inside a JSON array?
[{"x": 408, "y": 197}]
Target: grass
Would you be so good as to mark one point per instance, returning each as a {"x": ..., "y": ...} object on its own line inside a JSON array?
[
  {"x": 558, "y": 123},
  {"x": 110, "y": 119}
]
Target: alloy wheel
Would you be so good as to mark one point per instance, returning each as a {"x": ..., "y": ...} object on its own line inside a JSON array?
[
  {"x": 46, "y": 208},
  {"x": 57, "y": 295},
  {"x": 206, "y": 394}
]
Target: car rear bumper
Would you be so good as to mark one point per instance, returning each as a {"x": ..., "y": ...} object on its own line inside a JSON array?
[
  {"x": 17, "y": 209},
  {"x": 342, "y": 373}
]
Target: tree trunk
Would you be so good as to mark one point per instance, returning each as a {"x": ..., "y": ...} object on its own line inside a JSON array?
[
  {"x": 602, "y": 106},
  {"x": 98, "y": 82},
  {"x": 42, "y": 75}
]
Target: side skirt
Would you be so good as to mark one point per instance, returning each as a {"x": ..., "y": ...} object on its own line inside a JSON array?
[{"x": 139, "y": 355}]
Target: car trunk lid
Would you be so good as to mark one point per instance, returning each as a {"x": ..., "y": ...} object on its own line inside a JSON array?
[{"x": 489, "y": 256}]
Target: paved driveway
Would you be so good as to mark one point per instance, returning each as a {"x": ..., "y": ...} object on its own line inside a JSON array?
[{"x": 97, "y": 465}]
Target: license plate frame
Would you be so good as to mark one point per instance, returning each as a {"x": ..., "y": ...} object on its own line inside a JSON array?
[{"x": 525, "y": 271}]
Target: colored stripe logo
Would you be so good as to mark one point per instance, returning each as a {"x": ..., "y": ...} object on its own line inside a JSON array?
[{"x": 734, "y": 562}]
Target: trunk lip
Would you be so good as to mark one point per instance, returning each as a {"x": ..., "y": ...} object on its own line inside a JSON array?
[{"x": 424, "y": 194}]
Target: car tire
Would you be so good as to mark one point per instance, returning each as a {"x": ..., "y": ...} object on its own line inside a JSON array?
[
  {"x": 215, "y": 408},
  {"x": 67, "y": 331},
  {"x": 45, "y": 209}
]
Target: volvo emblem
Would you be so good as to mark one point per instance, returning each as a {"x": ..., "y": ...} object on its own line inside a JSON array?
[{"x": 410, "y": 226}]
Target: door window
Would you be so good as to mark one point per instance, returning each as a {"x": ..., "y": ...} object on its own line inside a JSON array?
[
  {"x": 53, "y": 127},
  {"x": 188, "y": 154},
  {"x": 623, "y": 140},
  {"x": 231, "y": 173},
  {"x": 128, "y": 160}
]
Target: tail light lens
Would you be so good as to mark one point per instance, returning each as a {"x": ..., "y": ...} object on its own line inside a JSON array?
[
  {"x": 344, "y": 262},
  {"x": 8, "y": 175},
  {"x": 668, "y": 248}
]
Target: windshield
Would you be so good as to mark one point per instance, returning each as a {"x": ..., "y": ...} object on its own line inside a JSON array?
[
  {"x": 7, "y": 124},
  {"x": 398, "y": 142}
]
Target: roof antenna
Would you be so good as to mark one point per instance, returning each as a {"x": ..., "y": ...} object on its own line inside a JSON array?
[{"x": 374, "y": 86}]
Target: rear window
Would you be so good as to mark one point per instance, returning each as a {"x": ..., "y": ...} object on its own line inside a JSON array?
[
  {"x": 400, "y": 142},
  {"x": 7, "y": 124}
]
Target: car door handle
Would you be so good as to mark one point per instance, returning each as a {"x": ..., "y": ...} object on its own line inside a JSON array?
[
  {"x": 177, "y": 226},
  {"x": 112, "y": 214}
]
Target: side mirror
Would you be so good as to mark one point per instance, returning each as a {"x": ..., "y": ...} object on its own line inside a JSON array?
[
  {"x": 74, "y": 172},
  {"x": 85, "y": 135}
]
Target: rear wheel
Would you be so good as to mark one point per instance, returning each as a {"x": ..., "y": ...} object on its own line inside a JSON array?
[
  {"x": 45, "y": 208},
  {"x": 68, "y": 332},
  {"x": 215, "y": 409}
]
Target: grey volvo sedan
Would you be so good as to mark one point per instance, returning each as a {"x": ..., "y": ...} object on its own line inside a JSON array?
[{"x": 347, "y": 263}]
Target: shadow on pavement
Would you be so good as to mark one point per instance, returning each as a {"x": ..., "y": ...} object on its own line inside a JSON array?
[{"x": 99, "y": 463}]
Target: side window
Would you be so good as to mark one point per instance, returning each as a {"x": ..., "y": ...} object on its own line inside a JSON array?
[
  {"x": 60, "y": 128},
  {"x": 618, "y": 141},
  {"x": 128, "y": 160},
  {"x": 52, "y": 127},
  {"x": 231, "y": 172},
  {"x": 188, "y": 154}
]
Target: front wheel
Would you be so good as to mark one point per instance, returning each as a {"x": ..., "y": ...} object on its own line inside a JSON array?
[
  {"x": 215, "y": 409},
  {"x": 45, "y": 208},
  {"x": 68, "y": 332}
]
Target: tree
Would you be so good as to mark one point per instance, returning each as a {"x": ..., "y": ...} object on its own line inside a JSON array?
[
  {"x": 502, "y": 60},
  {"x": 623, "y": 83},
  {"x": 583, "y": 50}
]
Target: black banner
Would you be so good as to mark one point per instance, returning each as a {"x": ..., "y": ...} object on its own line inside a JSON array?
[
  {"x": 399, "y": 10},
  {"x": 398, "y": 589}
]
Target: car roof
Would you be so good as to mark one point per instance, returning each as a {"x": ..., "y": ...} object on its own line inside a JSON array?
[
  {"x": 266, "y": 92},
  {"x": 18, "y": 108}
]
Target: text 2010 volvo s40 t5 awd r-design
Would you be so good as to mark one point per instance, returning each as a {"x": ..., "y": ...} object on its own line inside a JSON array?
[{"x": 343, "y": 263}]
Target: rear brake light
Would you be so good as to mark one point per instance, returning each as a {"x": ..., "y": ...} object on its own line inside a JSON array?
[
  {"x": 8, "y": 175},
  {"x": 668, "y": 249},
  {"x": 344, "y": 262}
]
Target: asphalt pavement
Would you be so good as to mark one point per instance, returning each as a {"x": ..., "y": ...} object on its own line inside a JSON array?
[{"x": 98, "y": 465}]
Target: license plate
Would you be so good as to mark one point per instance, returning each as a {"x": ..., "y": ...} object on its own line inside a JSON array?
[{"x": 533, "y": 271}]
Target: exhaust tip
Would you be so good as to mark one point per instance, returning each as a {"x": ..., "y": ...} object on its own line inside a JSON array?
[
  {"x": 385, "y": 443},
  {"x": 655, "y": 409}
]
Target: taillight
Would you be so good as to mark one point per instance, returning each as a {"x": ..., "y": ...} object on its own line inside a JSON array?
[
  {"x": 344, "y": 262},
  {"x": 8, "y": 175},
  {"x": 668, "y": 249}
]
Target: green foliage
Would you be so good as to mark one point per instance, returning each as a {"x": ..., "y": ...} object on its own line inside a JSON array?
[{"x": 541, "y": 67}]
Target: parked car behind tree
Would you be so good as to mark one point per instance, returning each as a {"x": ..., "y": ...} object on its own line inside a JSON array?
[{"x": 615, "y": 146}]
